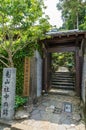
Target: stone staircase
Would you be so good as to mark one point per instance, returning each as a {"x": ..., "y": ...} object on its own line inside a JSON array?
[{"x": 63, "y": 80}]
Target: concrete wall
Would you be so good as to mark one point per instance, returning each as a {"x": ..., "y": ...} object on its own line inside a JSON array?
[
  {"x": 39, "y": 73},
  {"x": 35, "y": 76}
]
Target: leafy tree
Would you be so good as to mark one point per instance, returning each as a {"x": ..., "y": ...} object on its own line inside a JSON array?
[
  {"x": 73, "y": 12},
  {"x": 83, "y": 25},
  {"x": 65, "y": 59},
  {"x": 21, "y": 23}
]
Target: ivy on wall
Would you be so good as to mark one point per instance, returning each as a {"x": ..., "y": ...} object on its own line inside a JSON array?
[
  {"x": 1, "y": 73},
  {"x": 19, "y": 65}
]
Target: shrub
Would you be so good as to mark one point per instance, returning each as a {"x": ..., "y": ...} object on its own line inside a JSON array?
[{"x": 19, "y": 101}]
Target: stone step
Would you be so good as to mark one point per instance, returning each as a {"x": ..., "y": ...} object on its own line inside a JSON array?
[
  {"x": 62, "y": 92},
  {"x": 63, "y": 80},
  {"x": 70, "y": 72},
  {"x": 63, "y": 87},
  {"x": 62, "y": 76},
  {"x": 61, "y": 73},
  {"x": 62, "y": 83},
  {"x": 38, "y": 125}
]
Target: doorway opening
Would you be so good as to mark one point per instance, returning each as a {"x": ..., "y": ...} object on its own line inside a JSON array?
[{"x": 63, "y": 72}]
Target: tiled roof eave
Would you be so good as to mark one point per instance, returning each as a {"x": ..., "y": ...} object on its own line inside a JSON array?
[{"x": 66, "y": 33}]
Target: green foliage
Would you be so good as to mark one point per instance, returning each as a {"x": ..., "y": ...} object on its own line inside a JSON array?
[
  {"x": 83, "y": 25},
  {"x": 73, "y": 13},
  {"x": 22, "y": 22},
  {"x": 19, "y": 65},
  {"x": 1, "y": 73},
  {"x": 20, "y": 101},
  {"x": 20, "y": 36},
  {"x": 63, "y": 59}
]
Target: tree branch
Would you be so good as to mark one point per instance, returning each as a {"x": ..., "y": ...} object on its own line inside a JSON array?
[
  {"x": 19, "y": 48},
  {"x": 6, "y": 49},
  {"x": 4, "y": 63},
  {"x": 4, "y": 57}
]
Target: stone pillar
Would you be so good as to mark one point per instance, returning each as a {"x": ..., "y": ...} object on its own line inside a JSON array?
[
  {"x": 33, "y": 79},
  {"x": 35, "y": 76},
  {"x": 39, "y": 73},
  {"x": 8, "y": 93}
]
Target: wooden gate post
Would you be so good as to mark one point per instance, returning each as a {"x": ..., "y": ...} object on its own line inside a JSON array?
[
  {"x": 45, "y": 69},
  {"x": 77, "y": 72},
  {"x": 49, "y": 69}
]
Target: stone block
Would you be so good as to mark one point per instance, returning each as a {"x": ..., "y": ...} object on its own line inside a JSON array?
[
  {"x": 8, "y": 93},
  {"x": 6, "y": 128},
  {"x": 21, "y": 114},
  {"x": 19, "y": 126}
]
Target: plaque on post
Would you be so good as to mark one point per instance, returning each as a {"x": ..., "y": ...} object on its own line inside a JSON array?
[{"x": 8, "y": 93}]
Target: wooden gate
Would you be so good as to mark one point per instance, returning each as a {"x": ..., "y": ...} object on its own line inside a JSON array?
[{"x": 63, "y": 42}]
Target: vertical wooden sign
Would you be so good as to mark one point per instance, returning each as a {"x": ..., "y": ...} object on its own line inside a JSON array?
[{"x": 26, "y": 88}]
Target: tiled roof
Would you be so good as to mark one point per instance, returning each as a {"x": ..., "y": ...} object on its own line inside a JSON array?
[{"x": 64, "y": 33}]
